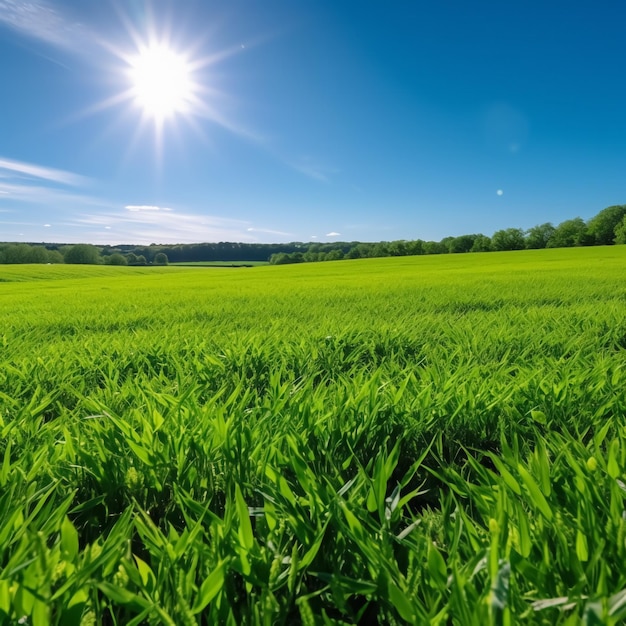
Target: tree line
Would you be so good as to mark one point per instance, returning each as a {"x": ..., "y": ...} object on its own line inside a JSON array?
[
  {"x": 606, "y": 228},
  {"x": 82, "y": 253}
]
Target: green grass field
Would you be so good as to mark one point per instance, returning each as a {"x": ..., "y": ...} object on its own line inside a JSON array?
[
  {"x": 221, "y": 263},
  {"x": 423, "y": 440}
]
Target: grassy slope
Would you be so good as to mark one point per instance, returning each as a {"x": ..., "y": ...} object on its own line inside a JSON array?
[
  {"x": 288, "y": 388},
  {"x": 28, "y": 273},
  {"x": 221, "y": 263}
]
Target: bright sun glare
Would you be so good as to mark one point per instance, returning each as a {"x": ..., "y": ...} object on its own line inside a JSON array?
[
  {"x": 161, "y": 80},
  {"x": 171, "y": 86}
]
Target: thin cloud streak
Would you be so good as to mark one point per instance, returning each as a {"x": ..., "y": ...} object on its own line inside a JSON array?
[
  {"x": 39, "y": 20},
  {"x": 145, "y": 227},
  {"x": 269, "y": 231},
  {"x": 45, "y": 197},
  {"x": 39, "y": 171},
  {"x": 99, "y": 220},
  {"x": 136, "y": 208}
]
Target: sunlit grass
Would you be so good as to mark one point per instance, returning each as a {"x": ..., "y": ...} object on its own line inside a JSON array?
[{"x": 414, "y": 440}]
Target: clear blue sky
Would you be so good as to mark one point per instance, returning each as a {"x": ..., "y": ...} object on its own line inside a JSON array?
[{"x": 350, "y": 120}]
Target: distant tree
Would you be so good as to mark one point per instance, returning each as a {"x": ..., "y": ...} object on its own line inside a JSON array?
[
  {"x": 538, "y": 236},
  {"x": 602, "y": 226},
  {"x": 570, "y": 233},
  {"x": 397, "y": 248},
  {"x": 434, "y": 247},
  {"x": 19, "y": 253},
  {"x": 620, "y": 232},
  {"x": 160, "y": 258},
  {"x": 365, "y": 250},
  {"x": 54, "y": 256},
  {"x": 353, "y": 253},
  {"x": 131, "y": 258},
  {"x": 444, "y": 245},
  {"x": 280, "y": 258},
  {"x": 359, "y": 251},
  {"x": 83, "y": 254},
  {"x": 463, "y": 243},
  {"x": 24, "y": 253},
  {"x": 379, "y": 249},
  {"x": 141, "y": 260},
  {"x": 38, "y": 254},
  {"x": 508, "y": 239},
  {"x": 482, "y": 243},
  {"x": 415, "y": 247},
  {"x": 334, "y": 255},
  {"x": 116, "y": 259}
]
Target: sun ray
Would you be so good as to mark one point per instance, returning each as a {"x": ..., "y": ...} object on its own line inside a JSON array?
[{"x": 163, "y": 81}]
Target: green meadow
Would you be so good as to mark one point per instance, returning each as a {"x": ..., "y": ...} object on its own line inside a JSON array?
[
  {"x": 221, "y": 263},
  {"x": 415, "y": 440}
]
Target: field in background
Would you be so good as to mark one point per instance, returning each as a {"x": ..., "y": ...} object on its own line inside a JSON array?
[
  {"x": 221, "y": 263},
  {"x": 411, "y": 440}
]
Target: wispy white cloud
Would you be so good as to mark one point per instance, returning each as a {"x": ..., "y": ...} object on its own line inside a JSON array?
[
  {"x": 52, "y": 199},
  {"x": 55, "y": 198},
  {"x": 11, "y": 168},
  {"x": 269, "y": 231},
  {"x": 48, "y": 196},
  {"x": 150, "y": 226},
  {"x": 136, "y": 208},
  {"x": 42, "y": 193},
  {"x": 333, "y": 234},
  {"x": 39, "y": 20}
]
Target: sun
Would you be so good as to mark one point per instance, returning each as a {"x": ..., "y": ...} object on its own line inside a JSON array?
[
  {"x": 161, "y": 82},
  {"x": 165, "y": 84}
]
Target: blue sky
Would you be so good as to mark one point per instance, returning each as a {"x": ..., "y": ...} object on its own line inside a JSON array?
[{"x": 308, "y": 120}]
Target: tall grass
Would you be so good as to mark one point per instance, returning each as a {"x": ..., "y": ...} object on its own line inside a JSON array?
[{"x": 427, "y": 440}]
